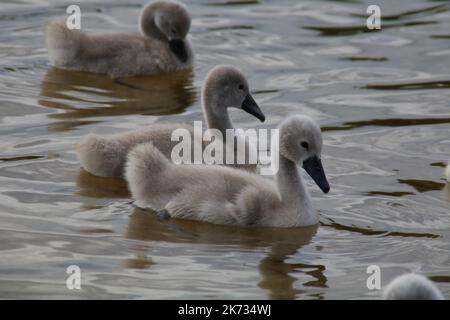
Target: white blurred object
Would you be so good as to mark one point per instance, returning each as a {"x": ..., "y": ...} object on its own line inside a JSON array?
[{"x": 412, "y": 287}]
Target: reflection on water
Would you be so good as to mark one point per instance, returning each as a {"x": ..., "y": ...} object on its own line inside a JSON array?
[
  {"x": 423, "y": 185},
  {"x": 101, "y": 187},
  {"x": 447, "y": 191},
  {"x": 422, "y": 12},
  {"x": 233, "y": 2},
  {"x": 21, "y": 158},
  {"x": 352, "y": 30},
  {"x": 278, "y": 275},
  {"x": 444, "y": 84},
  {"x": 275, "y": 270},
  {"x": 375, "y": 59},
  {"x": 80, "y": 95},
  {"x": 186, "y": 231},
  {"x": 343, "y": 30},
  {"x": 368, "y": 232},
  {"x": 387, "y": 123},
  {"x": 382, "y": 98},
  {"x": 390, "y": 194}
]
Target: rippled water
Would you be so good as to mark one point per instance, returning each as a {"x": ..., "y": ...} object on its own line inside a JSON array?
[{"x": 382, "y": 99}]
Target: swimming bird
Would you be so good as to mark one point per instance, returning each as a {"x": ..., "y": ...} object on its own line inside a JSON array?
[
  {"x": 412, "y": 286},
  {"x": 224, "y": 87},
  {"x": 162, "y": 45},
  {"x": 224, "y": 195}
]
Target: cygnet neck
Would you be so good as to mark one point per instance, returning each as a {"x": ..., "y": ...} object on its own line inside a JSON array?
[
  {"x": 294, "y": 194},
  {"x": 216, "y": 114}
]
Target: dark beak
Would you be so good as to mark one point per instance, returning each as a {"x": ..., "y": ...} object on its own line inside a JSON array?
[
  {"x": 179, "y": 49},
  {"x": 249, "y": 105},
  {"x": 313, "y": 166}
]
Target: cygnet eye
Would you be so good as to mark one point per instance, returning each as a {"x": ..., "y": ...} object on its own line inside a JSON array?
[
  {"x": 241, "y": 87},
  {"x": 304, "y": 144}
]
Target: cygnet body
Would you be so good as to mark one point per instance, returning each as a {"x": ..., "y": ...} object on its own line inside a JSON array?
[
  {"x": 224, "y": 87},
  {"x": 162, "y": 45},
  {"x": 223, "y": 195},
  {"x": 412, "y": 287}
]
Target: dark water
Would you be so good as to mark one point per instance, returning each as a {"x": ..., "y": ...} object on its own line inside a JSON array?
[{"x": 382, "y": 98}]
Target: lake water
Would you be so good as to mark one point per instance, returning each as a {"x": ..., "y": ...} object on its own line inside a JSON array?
[{"x": 382, "y": 99}]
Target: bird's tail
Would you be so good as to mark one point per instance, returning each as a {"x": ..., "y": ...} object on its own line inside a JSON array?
[
  {"x": 63, "y": 44},
  {"x": 145, "y": 172},
  {"x": 147, "y": 157},
  {"x": 100, "y": 156}
]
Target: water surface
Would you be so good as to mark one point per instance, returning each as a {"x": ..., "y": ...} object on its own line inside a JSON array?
[{"x": 381, "y": 97}]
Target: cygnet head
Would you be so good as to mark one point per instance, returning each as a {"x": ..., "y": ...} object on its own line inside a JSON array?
[
  {"x": 301, "y": 142},
  {"x": 224, "y": 87},
  {"x": 169, "y": 20},
  {"x": 412, "y": 287}
]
